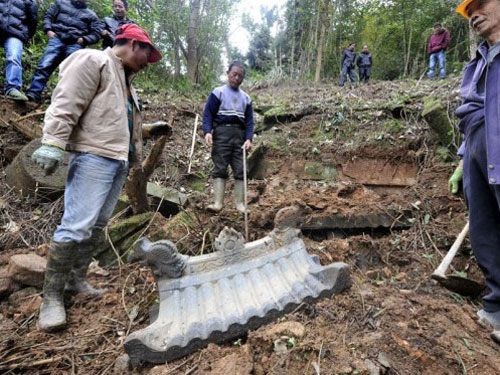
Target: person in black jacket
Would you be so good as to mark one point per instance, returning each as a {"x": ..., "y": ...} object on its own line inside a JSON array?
[
  {"x": 348, "y": 61},
  {"x": 364, "y": 63},
  {"x": 111, "y": 24},
  {"x": 70, "y": 26},
  {"x": 17, "y": 26}
]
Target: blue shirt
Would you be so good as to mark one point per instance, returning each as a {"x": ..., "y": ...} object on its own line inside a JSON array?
[
  {"x": 481, "y": 104},
  {"x": 226, "y": 105}
]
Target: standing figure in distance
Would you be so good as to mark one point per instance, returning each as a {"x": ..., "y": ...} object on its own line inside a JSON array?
[
  {"x": 228, "y": 126},
  {"x": 348, "y": 68},
  {"x": 436, "y": 48},
  {"x": 112, "y": 23},
  {"x": 70, "y": 26},
  {"x": 364, "y": 63},
  {"x": 19, "y": 18}
]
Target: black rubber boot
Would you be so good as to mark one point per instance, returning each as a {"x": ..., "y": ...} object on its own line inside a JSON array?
[
  {"x": 52, "y": 315},
  {"x": 77, "y": 281}
]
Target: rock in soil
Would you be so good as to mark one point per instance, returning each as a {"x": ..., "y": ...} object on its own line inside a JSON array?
[
  {"x": 240, "y": 363},
  {"x": 27, "y": 269}
]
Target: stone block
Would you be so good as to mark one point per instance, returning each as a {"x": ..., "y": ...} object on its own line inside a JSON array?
[{"x": 27, "y": 269}]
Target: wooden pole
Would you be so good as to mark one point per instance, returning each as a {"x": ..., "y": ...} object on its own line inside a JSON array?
[
  {"x": 191, "y": 153},
  {"x": 245, "y": 192}
]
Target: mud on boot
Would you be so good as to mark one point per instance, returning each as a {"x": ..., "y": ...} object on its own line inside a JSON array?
[
  {"x": 52, "y": 315},
  {"x": 239, "y": 195},
  {"x": 77, "y": 279},
  {"x": 219, "y": 187}
]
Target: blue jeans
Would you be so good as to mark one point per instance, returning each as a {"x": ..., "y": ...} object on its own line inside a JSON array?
[
  {"x": 55, "y": 52},
  {"x": 13, "y": 69},
  {"x": 92, "y": 189},
  {"x": 483, "y": 201},
  {"x": 434, "y": 58}
]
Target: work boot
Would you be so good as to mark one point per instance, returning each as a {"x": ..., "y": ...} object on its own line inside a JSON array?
[
  {"x": 219, "y": 187},
  {"x": 60, "y": 260},
  {"x": 489, "y": 319},
  {"x": 239, "y": 195},
  {"x": 77, "y": 280},
  {"x": 16, "y": 95}
]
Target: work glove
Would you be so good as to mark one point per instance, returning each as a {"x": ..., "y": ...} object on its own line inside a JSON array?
[
  {"x": 455, "y": 179},
  {"x": 48, "y": 157}
]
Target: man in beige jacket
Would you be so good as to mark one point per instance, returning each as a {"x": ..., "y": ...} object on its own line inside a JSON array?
[{"x": 95, "y": 115}]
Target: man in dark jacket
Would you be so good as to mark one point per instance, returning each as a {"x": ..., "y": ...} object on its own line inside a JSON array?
[
  {"x": 364, "y": 63},
  {"x": 348, "y": 61},
  {"x": 480, "y": 124},
  {"x": 70, "y": 26},
  {"x": 111, "y": 24},
  {"x": 436, "y": 48},
  {"x": 17, "y": 26}
]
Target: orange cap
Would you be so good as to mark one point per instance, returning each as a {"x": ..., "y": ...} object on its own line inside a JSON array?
[{"x": 462, "y": 8}]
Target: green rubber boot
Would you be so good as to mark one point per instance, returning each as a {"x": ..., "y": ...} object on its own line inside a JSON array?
[
  {"x": 52, "y": 315},
  {"x": 239, "y": 195},
  {"x": 219, "y": 187},
  {"x": 77, "y": 280}
]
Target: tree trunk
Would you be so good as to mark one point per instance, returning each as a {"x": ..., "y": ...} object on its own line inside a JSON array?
[
  {"x": 319, "y": 54},
  {"x": 192, "y": 41}
]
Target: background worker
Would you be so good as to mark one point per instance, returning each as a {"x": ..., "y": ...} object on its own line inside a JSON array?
[
  {"x": 364, "y": 63},
  {"x": 480, "y": 124},
  {"x": 347, "y": 62},
  {"x": 112, "y": 23},
  {"x": 70, "y": 26},
  {"x": 95, "y": 114},
  {"x": 436, "y": 48},
  {"x": 228, "y": 126},
  {"x": 19, "y": 19}
]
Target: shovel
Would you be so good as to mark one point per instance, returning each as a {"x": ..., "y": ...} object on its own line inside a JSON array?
[{"x": 456, "y": 284}]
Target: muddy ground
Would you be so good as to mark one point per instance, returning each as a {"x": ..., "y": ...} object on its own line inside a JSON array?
[{"x": 350, "y": 152}]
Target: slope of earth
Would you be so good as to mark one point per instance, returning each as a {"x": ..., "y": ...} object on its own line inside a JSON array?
[{"x": 342, "y": 156}]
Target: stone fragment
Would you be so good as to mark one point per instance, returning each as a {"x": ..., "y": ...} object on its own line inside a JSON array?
[
  {"x": 29, "y": 179},
  {"x": 27, "y": 269},
  {"x": 294, "y": 329},
  {"x": 17, "y": 299},
  {"x": 7, "y": 285},
  {"x": 122, "y": 364},
  {"x": 240, "y": 363}
]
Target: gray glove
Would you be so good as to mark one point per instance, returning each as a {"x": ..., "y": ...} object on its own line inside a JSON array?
[{"x": 48, "y": 157}]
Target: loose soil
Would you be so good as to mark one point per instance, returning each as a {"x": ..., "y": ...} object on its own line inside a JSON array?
[{"x": 381, "y": 157}]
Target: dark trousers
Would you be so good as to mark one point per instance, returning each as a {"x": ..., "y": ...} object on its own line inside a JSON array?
[
  {"x": 483, "y": 201},
  {"x": 364, "y": 73},
  {"x": 55, "y": 52},
  {"x": 227, "y": 150},
  {"x": 347, "y": 70}
]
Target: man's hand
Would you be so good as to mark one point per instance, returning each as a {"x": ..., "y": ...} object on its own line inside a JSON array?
[
  {"x": 48, "y": 157},
  {"x": 455, "y": 179},
  {"x": 247, "y": 145},
  {"x": 80, "y": 41},
  {"x": 51, "y": 34},
  {"x": 208, "y": 139}
]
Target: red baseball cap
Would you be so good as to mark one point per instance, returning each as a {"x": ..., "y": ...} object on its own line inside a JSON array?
[{"x": 132, "y": 31}]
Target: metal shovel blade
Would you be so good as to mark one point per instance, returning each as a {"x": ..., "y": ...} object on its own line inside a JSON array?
[{"x": 460, "y": 285}]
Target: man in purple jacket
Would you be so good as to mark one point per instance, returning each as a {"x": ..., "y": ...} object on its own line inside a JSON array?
[
  {"x": 480, "y": 123},
  {"x": 436, "y": 48}
]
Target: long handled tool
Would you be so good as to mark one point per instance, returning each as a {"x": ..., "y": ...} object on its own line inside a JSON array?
[
  {"x": 245, "y": 192},
  {"x": 455, "y": 283},
  {"x": 191, "y": 153}
]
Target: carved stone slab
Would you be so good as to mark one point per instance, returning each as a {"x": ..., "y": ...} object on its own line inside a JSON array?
[{"x": 222, "y": 295}]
